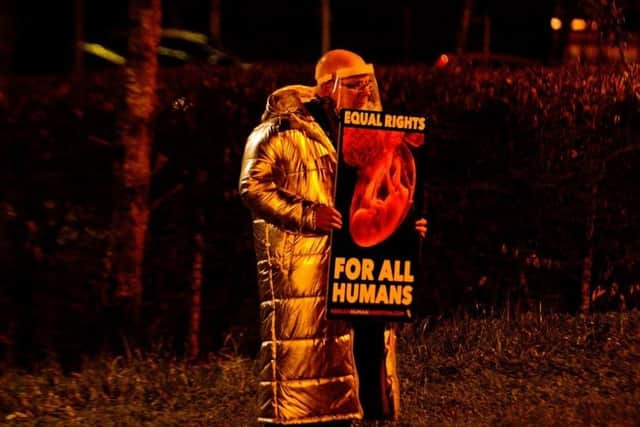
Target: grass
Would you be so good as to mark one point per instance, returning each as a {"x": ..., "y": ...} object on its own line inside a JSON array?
[
  {"x": 558, "y": 370},
  {"x": 553, "y": 370}
]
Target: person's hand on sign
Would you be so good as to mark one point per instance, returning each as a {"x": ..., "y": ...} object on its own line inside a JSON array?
[
  {"x": 328, "y": 218},
  {"x": 421, "y": 227}
]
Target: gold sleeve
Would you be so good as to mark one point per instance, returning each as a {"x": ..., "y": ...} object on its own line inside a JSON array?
[{"x": 262, "y": 183}]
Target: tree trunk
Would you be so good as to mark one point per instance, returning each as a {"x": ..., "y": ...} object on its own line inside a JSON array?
[
  {"x": 587, "y": 263},
  {"x": 406, "y": 30},
  {"x": 173, "y": 16},
  {"x": 193, "y": 346},
  {"x": 215, "y": 29},
  {"x": 7, "y": 46},
  {"x": 486, "y": 37},
  {"x": 133, "y": 171},
  {"x": 326, "y": 25},
  {"x": 198, "y": 197},
  {"x": 78, "y": 49},
  {"x": 463, "y": 31},
  {"x": 619, "y": 34}
]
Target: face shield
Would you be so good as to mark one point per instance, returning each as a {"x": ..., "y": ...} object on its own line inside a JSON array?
[{"x": 355, "y": 88}]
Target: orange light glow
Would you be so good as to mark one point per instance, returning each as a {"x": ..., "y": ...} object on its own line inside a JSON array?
[
  {"x": 556, "y": 24},
  {"x": 442, "y": 61},
  {"x": 578, "y": 24}
]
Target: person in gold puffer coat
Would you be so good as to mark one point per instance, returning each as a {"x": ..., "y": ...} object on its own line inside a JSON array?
[{"x": 306, "y": 365}]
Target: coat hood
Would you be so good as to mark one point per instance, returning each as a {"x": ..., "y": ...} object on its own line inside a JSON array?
[
  {"x": 289, "y": 100},
  {"x": 289, "y": 104}
]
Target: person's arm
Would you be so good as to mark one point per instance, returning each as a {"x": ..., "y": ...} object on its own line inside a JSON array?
[{"x": 260, "y": 186}]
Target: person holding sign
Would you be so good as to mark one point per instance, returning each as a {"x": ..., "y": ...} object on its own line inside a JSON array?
[
  {"x": 350, "y": 83},
  {"x": 306, "y": 364}
]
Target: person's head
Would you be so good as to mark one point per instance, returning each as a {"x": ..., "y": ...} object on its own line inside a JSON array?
[{"x": 348, "y": 80}]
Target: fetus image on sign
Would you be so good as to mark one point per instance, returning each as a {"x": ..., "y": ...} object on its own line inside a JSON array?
[{"x": 386, "y": 181}]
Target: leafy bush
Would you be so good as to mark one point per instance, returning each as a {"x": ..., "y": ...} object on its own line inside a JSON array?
[{"x": 511, "y": 162}]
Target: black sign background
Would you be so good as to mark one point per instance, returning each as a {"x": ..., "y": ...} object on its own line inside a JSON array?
[{"x": 376, "y": 280}]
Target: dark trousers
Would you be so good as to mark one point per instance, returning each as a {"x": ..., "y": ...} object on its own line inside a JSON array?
[{"x": 369, "y": 349}]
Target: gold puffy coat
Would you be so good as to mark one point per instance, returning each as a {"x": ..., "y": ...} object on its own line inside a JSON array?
[{"x": 306, "y": 365}]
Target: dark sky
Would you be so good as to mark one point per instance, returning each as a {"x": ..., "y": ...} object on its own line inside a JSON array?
[{"x": 284, "y": 30}]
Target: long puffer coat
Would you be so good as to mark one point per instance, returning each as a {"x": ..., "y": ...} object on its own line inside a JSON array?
[{"x": 306, "y": 365}]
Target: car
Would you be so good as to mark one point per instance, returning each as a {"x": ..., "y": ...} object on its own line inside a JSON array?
[{"x": 177, "y": 47}]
